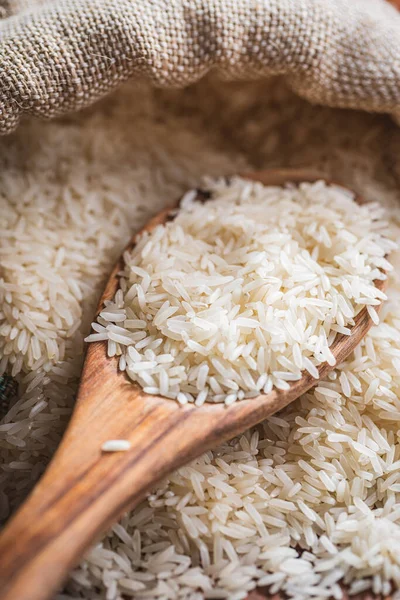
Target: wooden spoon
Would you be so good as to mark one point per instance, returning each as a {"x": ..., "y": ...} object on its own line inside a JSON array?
[{"x": 85, "y": 490}]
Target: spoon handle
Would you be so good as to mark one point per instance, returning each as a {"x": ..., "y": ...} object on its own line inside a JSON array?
[{"x": 84, "y": 490}]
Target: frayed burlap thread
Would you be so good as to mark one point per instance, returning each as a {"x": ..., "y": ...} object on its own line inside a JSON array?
[{"x": 59, "y": 56}]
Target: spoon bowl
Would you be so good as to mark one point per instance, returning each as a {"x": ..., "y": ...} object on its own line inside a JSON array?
[{"x": 85, "y": 490}]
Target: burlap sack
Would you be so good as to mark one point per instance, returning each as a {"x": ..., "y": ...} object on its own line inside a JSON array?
[{"x": 61, "y": 55}]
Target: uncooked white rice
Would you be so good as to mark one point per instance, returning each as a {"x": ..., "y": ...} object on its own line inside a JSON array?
[
  {"x": 116, "y": 446},
  {"x": 245, "y": 291},
  {"x": 69, "y": 193}
]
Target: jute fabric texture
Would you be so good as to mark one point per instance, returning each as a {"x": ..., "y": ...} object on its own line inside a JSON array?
[{"x": 58, "y": 56}]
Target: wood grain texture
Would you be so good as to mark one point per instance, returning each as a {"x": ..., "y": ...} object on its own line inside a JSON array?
[{"x": 84, "y": 490}]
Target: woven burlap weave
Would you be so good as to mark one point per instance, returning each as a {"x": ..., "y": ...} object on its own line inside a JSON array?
[{"x": 61, "y": 55}]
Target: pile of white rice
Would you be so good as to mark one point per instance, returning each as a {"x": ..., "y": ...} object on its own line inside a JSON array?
[
  {"x": 306, "y": 499},
  {"x": 242, "y": 293}
]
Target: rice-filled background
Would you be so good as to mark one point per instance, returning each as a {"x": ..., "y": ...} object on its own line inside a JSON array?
[
  {"x": 307, "y": 500},
  {"x": 310, "y": 496}
]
